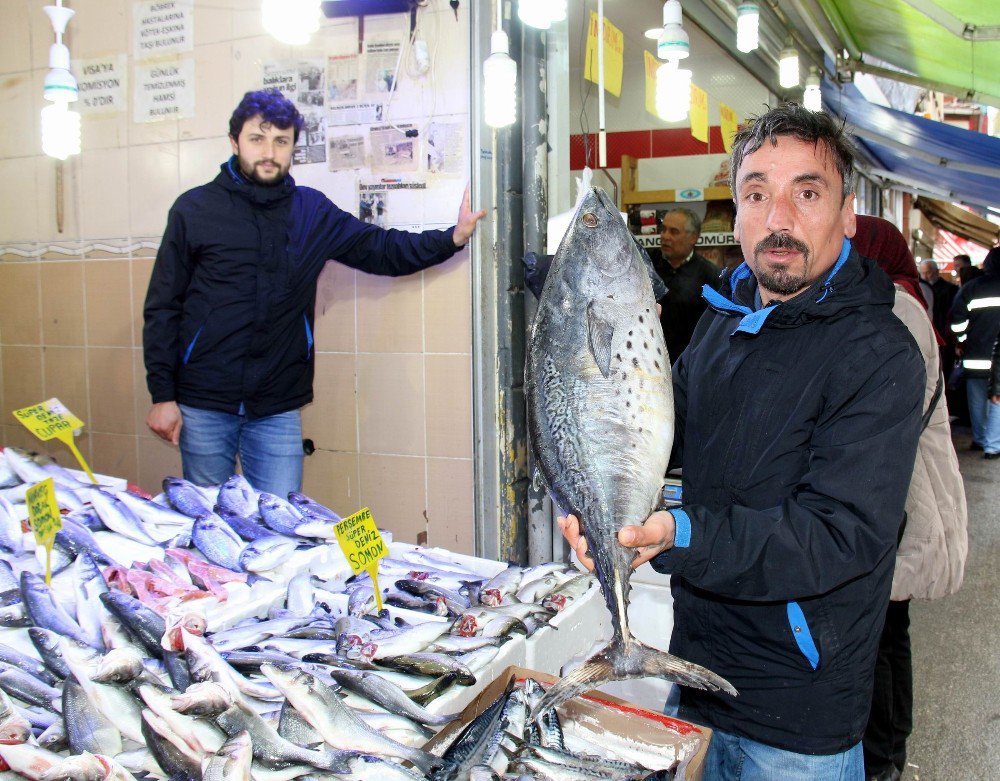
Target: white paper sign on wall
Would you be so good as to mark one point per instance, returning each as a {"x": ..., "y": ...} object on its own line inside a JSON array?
[
  {"x": 164, "y": 90},
  {"x": 163, "y": 27},
  {"x": 102, "y": 83}
]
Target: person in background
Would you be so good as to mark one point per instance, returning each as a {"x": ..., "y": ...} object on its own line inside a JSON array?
[
  {"x": 962, "y": 264},
  {"x": 933, "y": 539},
  {"x": 994, "y": 389},
  {"x": 944, "y": 294},
  {"x": 797, "y": 411},
  {"x": 684, "y": 272},
  {"x": 975, "y": 319},
  {"x": 228, "y": 335}
]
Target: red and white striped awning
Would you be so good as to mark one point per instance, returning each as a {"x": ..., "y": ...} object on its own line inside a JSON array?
[{"x": 948, "y": 245}]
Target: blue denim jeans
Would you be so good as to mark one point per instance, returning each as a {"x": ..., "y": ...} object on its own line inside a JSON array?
[
  {"x": 732, "y": 758},
  {"x": 984, "y": 414},
  {"x": 270, "y": 449}
]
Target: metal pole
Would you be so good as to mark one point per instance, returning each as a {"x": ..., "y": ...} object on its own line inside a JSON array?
[{"x": 534, "y": 148}]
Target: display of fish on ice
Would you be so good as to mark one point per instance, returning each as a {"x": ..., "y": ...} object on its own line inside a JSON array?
[{"x": 600, "y": 422}]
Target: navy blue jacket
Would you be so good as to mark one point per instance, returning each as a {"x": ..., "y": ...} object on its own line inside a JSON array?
[
  {"x": 230, "y": 306},
  {"x": 797, "y": 428}
]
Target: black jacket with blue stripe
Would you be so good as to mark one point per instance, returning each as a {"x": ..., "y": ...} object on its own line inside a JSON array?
[
  {"x": 797, "y": 428},
  {"x": 230, "y": 307}
]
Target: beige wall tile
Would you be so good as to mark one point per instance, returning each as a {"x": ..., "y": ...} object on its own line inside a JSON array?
[
  {"x": 18, "y": 138},
  {"x": 65, "y": 377},
  {"x": 18, "y": 214},
  {"x": 335, "y": 300},
  {"x": 153, "y": 184},
  {"x": 200, "y": 160},
  {"x": 104, "y": 131},
  {"x": 148, "y": 133},
  {"x": 104, "y": 194},
  {"x": 391, "y": 404},
  {"x": 214, "y": 76},
  {"x": 15, "y": 45},
  {"x": 115, "y": 455},
  {"x": 19, "y": 303},
  {"x": 63, "y": 321},
  {"x": 111, "y": 390},
  {"x": 331, "y": 420},
  {"x": 332, "y": 479},
  {"x": 213, "y": 22},
  {"x": 100, "y": 27},
  {"x": 451, "y": 504},
  {"x": 22, "y": 377},
  {"x": 141, "y": 394},
  {"x": 141, "y": 270},
  {"x": 389, "y": 313},
  {"x": 448, "y": 303},
  {"x": 394, "y": 488},
  {"x": 109, "y": 303},
  {"x": 157, "y": 459},
  {"x": 449, "y": 405}
]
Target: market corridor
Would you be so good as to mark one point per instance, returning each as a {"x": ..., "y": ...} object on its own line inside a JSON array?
[{"x": 956, "y": 664}]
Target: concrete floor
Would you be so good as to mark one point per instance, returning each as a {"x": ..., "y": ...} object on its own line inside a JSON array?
[{"x": 956, "y": 649}]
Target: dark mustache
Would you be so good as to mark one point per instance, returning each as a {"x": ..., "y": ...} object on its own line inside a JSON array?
[{"x": 781, "y": 241}]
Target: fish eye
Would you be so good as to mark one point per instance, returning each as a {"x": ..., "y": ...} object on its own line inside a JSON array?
[{"x": 590, "y": 220}]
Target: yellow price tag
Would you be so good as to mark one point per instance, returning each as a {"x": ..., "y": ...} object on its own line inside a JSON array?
[
  {"x": 44, "y": 518},
  {"x": 362, "y": 545},
  {"x": 51, "y": 420}
]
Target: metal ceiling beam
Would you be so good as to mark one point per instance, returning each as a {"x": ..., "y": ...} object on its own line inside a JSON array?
[
  {"x": 905, "y": 183},
  {"x": 952, "y": 23},
  {"x": 819, "y": 26},
  {"x": 919, "y": 81}
]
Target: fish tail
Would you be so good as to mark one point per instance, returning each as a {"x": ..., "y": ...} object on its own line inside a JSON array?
[{"x": 620, "y": 662}]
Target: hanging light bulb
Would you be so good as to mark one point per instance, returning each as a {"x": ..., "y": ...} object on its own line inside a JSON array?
[
  {"x": 541, "y": 13},
  {"x": 60, "y": 131},
  {"x": 500, "y": 83},
  {"x": 747, "y": 25},
  {"x": 290, "y": 21},
  {"x": 673, "y": 92},
  {"x": 673, "y": 43},
  {"x": 788, "y": 66},
  {"x": 812, "y": 98}
]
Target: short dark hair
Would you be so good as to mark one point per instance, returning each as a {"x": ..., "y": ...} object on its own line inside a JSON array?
[
  {"x": 791, "y": 119},
  {"x": 962, "y": 257},
  {"x": 693, "y": 220},
  {"x": 271, "y": 106}
]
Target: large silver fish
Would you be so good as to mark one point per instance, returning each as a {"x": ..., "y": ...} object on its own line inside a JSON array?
[{"x": 600, "y": 422}]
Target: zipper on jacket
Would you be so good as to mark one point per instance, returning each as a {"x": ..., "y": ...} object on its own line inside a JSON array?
[
  {"x": 803, "y": 637},
  {"x": 309, "y": 336},
  {"x": 190, "y": 347}
]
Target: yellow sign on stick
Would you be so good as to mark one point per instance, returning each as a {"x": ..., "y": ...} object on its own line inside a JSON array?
[
  {"x": 651, "y": 65},
  {"x": 44, "y": 518},
  {"x": 362, "y": 545},
  {"x": 51, "y": 420},
  {"x": 728, "y": 122},
  {"x": 614, "y": 55},
  {"x": 699, "y": 114}
]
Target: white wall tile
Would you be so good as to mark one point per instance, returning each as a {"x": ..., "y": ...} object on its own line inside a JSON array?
[{"x": 153, "y": 187}]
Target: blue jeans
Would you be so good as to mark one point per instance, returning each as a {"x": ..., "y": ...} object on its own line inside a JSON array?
[
  {"x": 270, "y": 449},
  {"x": 732, "y": 758},
  {"x": 984, "y": 414}
]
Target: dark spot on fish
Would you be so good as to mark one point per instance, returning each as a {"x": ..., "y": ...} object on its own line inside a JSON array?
[
  {"x": 659, "y": 351},
  {"x": 656, "y": 364},
  {"x": 635, "y": 362},
  {"x": 590, "y": 220},
  {"x": 640, "y": 319},
  {"x": 640, "y": 429},
  {"x": 651, "y": 332},
  {"x": 645, "y": 345},
  {"x": 629, "y": 333},
  {"x": 629, "y": 390},
  {"x": 624, "y": 376},
  {"x": 628, "y": 403},
  {"x": 628, "y": 345},
  {"x": 618, "y": 356}
]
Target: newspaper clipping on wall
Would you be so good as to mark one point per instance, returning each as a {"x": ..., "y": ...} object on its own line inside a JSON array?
[
  {"x": 394, "y": 148},
  {"x": 302, "y": 82}
]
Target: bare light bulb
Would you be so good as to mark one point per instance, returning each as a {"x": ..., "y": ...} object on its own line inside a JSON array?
[
  {"x": 812, "y": 97},
  {"x": 788, "y": 66},
  {"x": 499, "y": 83},
  {"x": 747, "y": 27},
  {"x": 673, "y": 92},
  {"x": 60, "y": 131}
]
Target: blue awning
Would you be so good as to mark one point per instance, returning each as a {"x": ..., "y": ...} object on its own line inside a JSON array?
[{"x": 928, "y": 157}]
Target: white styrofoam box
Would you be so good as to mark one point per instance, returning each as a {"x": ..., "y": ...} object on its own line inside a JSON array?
[
  {"x": 571, "y": 633},
  {"x": 457, "y": 697},
  {"x": 651, "y": 619}
]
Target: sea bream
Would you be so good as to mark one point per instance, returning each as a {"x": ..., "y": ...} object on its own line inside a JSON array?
[{"x": 600, "y": 421}]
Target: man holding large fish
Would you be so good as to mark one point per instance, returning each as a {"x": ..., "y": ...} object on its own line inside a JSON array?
[{"x": 797, "y": 408}]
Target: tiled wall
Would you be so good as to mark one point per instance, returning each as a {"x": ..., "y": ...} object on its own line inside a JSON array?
[{"x": 392, "y": 420}]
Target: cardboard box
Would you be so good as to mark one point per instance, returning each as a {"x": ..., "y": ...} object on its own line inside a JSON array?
[{"x": 629, "y": 732}]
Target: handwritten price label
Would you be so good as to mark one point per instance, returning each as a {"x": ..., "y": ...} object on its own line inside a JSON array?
[
  {"x": 51, "y": 420},
  {"x": 362, "y": 545},
  {"x": 44, "y": 518}
]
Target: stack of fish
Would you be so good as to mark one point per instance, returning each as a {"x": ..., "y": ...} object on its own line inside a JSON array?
[
  {"x": 503, "y": 741},
  {"x": 117, "y": 664}
]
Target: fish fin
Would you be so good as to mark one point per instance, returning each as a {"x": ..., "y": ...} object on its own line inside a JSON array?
[
  {"x": 601, "y": 334},
  {"x": 616, "y": 663}
]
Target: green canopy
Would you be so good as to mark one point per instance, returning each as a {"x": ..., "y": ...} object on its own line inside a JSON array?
[{"x": 948, "y": 42}]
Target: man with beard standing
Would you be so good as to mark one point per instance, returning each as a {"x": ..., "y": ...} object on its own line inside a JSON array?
[
  {"x": 228, "y": 336},
  {"x": 797, "y": 413}
]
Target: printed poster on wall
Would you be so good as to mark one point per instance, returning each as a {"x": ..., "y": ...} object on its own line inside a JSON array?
[
  {"x": 381, "y": 58},
  {"x": 374, "y": 197},
  {"x": 444, "y": 146},
  {"x": 102, "y": 83},
  {"x": 302, "y": 82},
  {"x": 164, "y": 90},
  {"x": 651, "y": 64},
  {"x": 699, "y": 114},
  {"x": 729, "y": 123},
  {"x": 163, "y": 27},
  {"x": 394, "y": 148},
  {"x": 614, "y": 55},
  {"x": 342, "y": 78}
]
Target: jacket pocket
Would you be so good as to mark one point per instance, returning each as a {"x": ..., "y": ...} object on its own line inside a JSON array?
[{"x": 802, "y": 634}]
